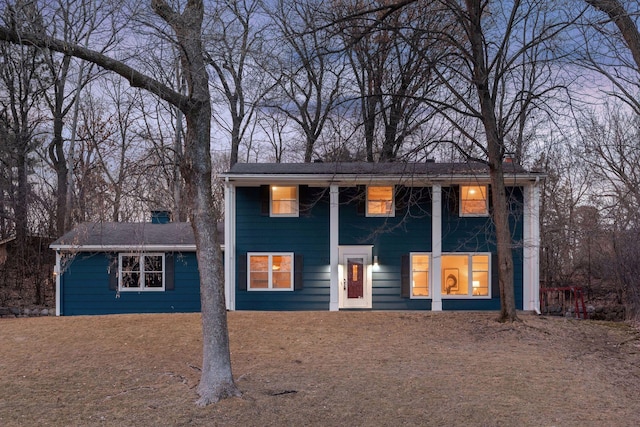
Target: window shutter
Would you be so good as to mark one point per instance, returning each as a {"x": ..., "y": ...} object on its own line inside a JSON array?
[
  {"x": 495, "y": 284},
  {"x": 305, "y": 200},
  {"x": 361, "y": 200},
  {"x": 241, "y": 277},
  {"x": 402, "y": 197},
  {"x": 265, "y": 196},
  {"x": 453, "y": 200},
  {"x": 169, "y": 272},
  {"x": 405, "y": 276},
  {"x": 113, "y": 272},
  {"x": 490, "y": 200},
  {"x": 298, "y": 266}
]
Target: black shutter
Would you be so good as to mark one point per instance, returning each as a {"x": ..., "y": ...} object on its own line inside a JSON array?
[
  {"x": 169, "y": 272},
  {"x": 490, "y": 200},
  {"x": 265, "y": 197},
  {"x": 305, "y": 200},
  {"x": 242, "y": 273},
  {"x": 453, "y": 200},
  {"x": 361, "y": 200},
  {"x": 402, "y": 199},
  {"x": 495, "y": 284},
  {"x": 405, "y": 276},
  {"x": 298, "y": 267},
  {"x": 113, "y": 272}
]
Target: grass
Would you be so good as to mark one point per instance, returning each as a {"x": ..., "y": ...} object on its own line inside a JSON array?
[{"x": 321, "y": 368}]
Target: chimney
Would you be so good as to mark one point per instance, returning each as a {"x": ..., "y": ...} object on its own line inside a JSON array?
[{"x": 160, "y": 216}]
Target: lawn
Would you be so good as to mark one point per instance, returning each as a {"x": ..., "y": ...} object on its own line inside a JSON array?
[{"x": 322, "y": 368}]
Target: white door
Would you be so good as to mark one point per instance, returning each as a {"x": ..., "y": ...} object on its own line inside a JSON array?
[{"x": 355, "y": 277}]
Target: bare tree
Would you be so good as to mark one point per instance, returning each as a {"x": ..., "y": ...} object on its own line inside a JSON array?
[
  {"x": 488, "y": 46},
  {"x": 233, "y": 42},
  {"x": 216, "y": 381}
]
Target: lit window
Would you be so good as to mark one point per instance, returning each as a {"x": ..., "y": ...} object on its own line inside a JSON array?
[
  {"x": 284, "y": 200},
  {"x": 465, "y": 275},
  {"x": 419, "y": 275},
  {"x": 380, "y": 201},
  {"x": 141, "y": 272},
  {"x": 473, "y": 200},
  {"x": 270, "y": 272}
]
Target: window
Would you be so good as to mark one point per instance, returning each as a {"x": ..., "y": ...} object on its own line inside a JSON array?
[
  {"x": 465, "y": 275},
  {"x": 419, "y": 275},
  {"x": 380, "y": 201},
  {"x": 473, "y": 200},
  {"x": 141, "y": 272},
  {"x": 270, "y": 272},
  {"x": 284, "y": 200}
]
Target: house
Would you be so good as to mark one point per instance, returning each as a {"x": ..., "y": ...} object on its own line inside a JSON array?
[
  {"x": 142, "y": 267},
  {"x": 318, "y": 236},
  {"x": 381, "y": 236}
]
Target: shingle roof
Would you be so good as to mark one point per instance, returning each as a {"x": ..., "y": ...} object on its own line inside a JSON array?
[
  {"x": 128, "y": 235},
  {"x": 366, "y": 168}
]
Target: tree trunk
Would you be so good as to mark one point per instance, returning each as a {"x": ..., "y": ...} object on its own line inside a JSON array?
[
  {"x": 495, "y": 149},
  {"x": 216, "y": 381}
]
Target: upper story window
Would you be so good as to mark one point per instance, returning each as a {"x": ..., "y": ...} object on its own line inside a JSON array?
[
  {"x": 473, "y": 200},
  {"x": 284, "y": 200},
  {"x": 270, "y": 272},
  {"x": 380, "y": 201},
  {"x": 141, "y": 272}
]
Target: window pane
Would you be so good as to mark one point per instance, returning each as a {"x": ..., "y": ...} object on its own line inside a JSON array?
[
  {"x": 455, "y": 272},
  {"x": 259, "y": 280},
  {"x": 379, "y": 200},
  {"x": 153, "y": 280},
  {"x": 473, "y": 200},
  {"x": 284, "y": 200},
  {"x": 130, "y": 280},
  {"x": 281, "y": 280},
  {"x": 259, "y": 263},
  {"x": 480, "y": 283},
  {"x": 153, "y": 263},
  {"x": 420, "y": 275},
  {"x": 130, "y": 263}
]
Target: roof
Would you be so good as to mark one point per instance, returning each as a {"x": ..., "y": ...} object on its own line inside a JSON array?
[
  {"x": 352, "y": 172},
  {"x": 105, "y": 236}
]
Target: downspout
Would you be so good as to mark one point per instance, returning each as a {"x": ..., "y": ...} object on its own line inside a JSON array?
[{"x": 57, "y": 272}]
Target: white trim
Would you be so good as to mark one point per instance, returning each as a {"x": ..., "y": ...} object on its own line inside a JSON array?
[
  {"x": 271, "y": 288},
  {"x": 230, "y": 243},
  {"x": 284, "y": 215},
  {"x": 334, "y": 239},
  {"x": 126, "y": 248},
  {"x": 436, "y": 247},
  {"x": 58, "y": 273},
  {"x": 392, "y": 211},
  {"x": 531, "y": 249},
  {"x": 350, "y": 180},
  {"x": 356, "y": 251},
  {"x": 142, "y": 272}
]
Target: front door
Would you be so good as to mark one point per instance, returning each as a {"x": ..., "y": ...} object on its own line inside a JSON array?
[{"x": 355, "y": 280}]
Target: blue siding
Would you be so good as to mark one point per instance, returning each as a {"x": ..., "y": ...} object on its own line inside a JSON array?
[
  {"x": 306, "y": 235},
  {"x": 408, "y": 231},
  {"x": 85, "y": 289}
]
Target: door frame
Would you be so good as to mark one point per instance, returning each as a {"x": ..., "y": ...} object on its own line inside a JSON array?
[{"x": 355, "y": 251}]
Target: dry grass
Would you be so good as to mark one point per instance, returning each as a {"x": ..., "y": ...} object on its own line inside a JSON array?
[{"x": 320, "y": 368}]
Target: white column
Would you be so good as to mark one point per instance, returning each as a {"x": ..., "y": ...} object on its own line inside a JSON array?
[
  {"x": 436, "y": 248},
  {"x": 334, "y": 234},
  {"x": 531, "y": 248},
  {"x": 58, "y": 272},
  {"x": 230, "y": 245}
]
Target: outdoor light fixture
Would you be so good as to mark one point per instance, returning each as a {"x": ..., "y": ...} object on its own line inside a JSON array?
[{"x": 375, "y": 260}]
